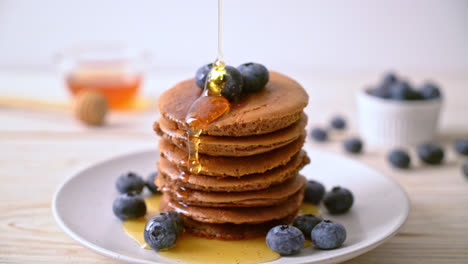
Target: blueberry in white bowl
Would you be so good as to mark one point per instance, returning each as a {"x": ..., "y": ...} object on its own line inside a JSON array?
[
  {"x": 394, "y": 113},
  {"x": 430, "y": 90}
]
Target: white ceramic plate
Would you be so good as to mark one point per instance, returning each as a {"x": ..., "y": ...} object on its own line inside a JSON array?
[{"x": 82, "y": 207}]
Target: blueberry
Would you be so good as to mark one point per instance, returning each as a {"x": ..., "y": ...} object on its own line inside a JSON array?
[
  {"x": 401, "y": 90},
  {"x": 389, "y": 78},
  {"x": 430, "y": 90},
  {"x": 255, "y": 76},
  {"x": 130, "y": 182},
  {"x": 128, "y": 206},
  {"x": 380, "y": 91},
  {"x": 232, "y": 89},
  {"x": 461, "y": 146},
  {"x": 319, "y": 134},
  {"x": 328, "y": 235},
  {"x": 399, "y": 158},
  {"x": 465, "y": 169},
  {"x": 338, "y": 122},
  {"x": 285, "y": 240},
  {"x": 338, "y": 201},
  {"x": 314, "y": 192},
  {"x": 201, "y": 74},
  {"x": 431, "y": 153},
  {"x": 150, "y": 182},
  {"x": 175, "y": 217},
  {"x": 160, "y": 232},
  {"x": 353, "y": 145},
  {"x": 306, "y": 223}
]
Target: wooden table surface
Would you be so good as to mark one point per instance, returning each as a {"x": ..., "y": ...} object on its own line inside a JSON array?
[{"x": 38, "y": 149}]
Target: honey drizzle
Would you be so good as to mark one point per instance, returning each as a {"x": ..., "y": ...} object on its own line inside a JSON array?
[{"x": 210, "y": 106}]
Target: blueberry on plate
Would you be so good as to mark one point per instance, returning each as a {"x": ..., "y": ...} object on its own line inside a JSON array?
[
  {"x": 160, "y": 232},
  {"x": 234, "y": 84},
  {"x": 431, "y": 153},
  {"x": 201, "y": 74},
  {"x": 175, "y": 217},
  {"x": 353, "y": 145},
  {"x": 399, "y": 159},
  {"x": 129, "y": 206},
  {"x": 314, "y": 192},
  {"x": 338, "y": 122},
  {"x": 285, "y": 240},
  {"x": 328, "y": 235},
  {"x": 255, "y": 76},
  {"x": 319, "y": 134},
  {"x": 339, "y": 200},
  {"x": 461, "y": 146},
  {"x": 429, "y": 91},
  {"x": 465, "y": 169},
  {"x": 402, "y": 91},
  {"x": 150, "y": 182},
  {"x": 130, "y": 182},
  {"x": 306, "y": 223}
]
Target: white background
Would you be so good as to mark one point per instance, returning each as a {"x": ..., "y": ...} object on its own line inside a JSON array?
[{"x": 330, "y": 36}]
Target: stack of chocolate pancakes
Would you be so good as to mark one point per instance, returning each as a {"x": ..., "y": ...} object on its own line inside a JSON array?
[{"x": 250, "y": 161}]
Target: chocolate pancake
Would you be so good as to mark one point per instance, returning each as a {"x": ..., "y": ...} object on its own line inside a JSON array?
[
  {"x": 229, "y": 231},
  {"x": 233, "y": 166},
  {"x": 233, "y": 146},
  {"x": 174, "y": 176},
  {"x": 267, "y": 197},
  {"x": 235, "y": 215},
  {"x": 277, "y": 106}
]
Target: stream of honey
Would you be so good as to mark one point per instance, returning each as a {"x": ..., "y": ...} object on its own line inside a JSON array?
[
  {"x": 194, "y": 249},
  {"x": 210, "y": 106}
]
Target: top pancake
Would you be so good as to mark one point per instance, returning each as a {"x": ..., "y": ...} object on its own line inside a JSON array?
[{"x": 277, "y": 106}]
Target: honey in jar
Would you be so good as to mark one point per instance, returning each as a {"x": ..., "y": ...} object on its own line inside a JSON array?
[{"x": 118, "y": 86}]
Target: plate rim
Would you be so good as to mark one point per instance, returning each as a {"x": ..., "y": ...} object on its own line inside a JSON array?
[{"x": 75, "y": 172}]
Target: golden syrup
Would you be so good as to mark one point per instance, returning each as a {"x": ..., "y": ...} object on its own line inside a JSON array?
[
  {"x": 194, "y": 249},
  {"x": 309, "y": 208},
  {"x": 210, "y": 106},
  {"x": 134, "y": 227}
]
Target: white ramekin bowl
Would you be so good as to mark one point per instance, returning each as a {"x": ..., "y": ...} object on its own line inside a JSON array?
[{"x": 390, "y": 123}]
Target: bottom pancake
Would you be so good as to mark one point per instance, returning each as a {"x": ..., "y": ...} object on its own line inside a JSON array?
[
  {"x": 233, "y": 231},
  {"x": 235, "y": 215}
]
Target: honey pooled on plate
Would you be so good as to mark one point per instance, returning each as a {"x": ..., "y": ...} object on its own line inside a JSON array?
[{"x": 190, "y": 248}]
